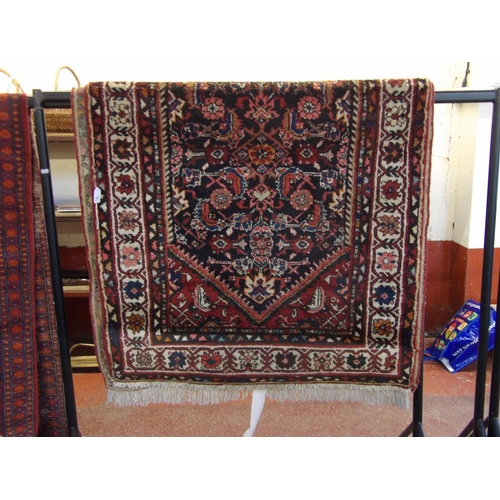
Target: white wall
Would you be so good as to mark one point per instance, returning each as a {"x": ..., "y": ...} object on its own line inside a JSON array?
[
  {"x": 480, "y": 179},
  {"x": 41, "y": 74},
  {"x": 470, "y": 149}
]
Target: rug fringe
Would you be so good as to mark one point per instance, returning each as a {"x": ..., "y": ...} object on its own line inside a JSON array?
[{"x": 144, "y": 394}]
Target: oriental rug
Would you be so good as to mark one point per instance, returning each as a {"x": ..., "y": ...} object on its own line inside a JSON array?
[
  {"x": 262, "y": 236},
  {"x": 31, "y": 391}
]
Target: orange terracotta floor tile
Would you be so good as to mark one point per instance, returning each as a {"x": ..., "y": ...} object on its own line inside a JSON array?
[{"x": 448, "y": 409}]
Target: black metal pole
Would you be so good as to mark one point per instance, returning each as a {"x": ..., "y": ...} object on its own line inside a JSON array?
[
  {"x": 468, "y": 429},
  {"x": 493, "y": 426},
  {"x": 52, "y": 99},
  {"x": 486, "y": 283},
  {"x": 463, "y": 96},
  {"x": 418, "y": 405},
  {"x": 43, "y": 153}
]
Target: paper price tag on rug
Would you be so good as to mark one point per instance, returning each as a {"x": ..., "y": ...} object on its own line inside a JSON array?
[
  {"x": 97, "y": 195},
  {"x": 97, "y": 200}
]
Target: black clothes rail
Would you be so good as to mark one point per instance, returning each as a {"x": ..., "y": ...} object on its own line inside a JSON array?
[
  {"x": 38, "y": 102},
  {"x": 478, "y": 426}
]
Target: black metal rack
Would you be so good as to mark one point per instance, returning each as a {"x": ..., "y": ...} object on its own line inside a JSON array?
[{"x": 478, "y": 426}]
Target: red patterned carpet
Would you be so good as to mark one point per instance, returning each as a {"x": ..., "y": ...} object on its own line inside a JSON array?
[
  {"x": 31, "y": 391},
  {"x": 247, "y": 235}
]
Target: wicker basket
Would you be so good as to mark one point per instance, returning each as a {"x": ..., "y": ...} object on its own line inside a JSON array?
[
  {"x": 18, "y": 87},
  {"x": 60, "y": 121}
]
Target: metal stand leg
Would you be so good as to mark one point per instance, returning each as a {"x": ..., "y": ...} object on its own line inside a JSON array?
[
  {"x": 41, "y": 142},
  {"x": 416, "y": 428},
  {"x": 418, "y": 404},
  {"x": 486, "y": 284}
]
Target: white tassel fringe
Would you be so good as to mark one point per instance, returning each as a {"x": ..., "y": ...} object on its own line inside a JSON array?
[{"x": 143, "y": 394}]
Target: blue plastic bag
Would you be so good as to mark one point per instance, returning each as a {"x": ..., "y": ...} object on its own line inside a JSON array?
[{"x": 457, "y": 344}]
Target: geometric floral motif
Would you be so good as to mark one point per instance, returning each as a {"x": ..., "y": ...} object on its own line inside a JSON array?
[{"x": 257, "y": 233}]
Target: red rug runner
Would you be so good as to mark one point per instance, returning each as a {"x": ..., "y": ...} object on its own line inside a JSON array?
[
  {"x": 31, "y": 390},
  {"x": 256, "y": 236}
]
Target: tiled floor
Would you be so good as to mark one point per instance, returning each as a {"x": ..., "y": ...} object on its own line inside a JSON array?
[{"x": 448, "y": 409}]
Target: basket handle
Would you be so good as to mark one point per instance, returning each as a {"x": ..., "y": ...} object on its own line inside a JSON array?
[
  {"x": 56, "y": 83},
  {"x": 17, "y": 85}
]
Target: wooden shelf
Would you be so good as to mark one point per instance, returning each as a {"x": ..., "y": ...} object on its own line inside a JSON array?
[
  {"x": 68, "y": 215},
  {"x": 63, "y": 137},
  {"x": 85, "y": 361},
  {"x": 76, "y": 291}
]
